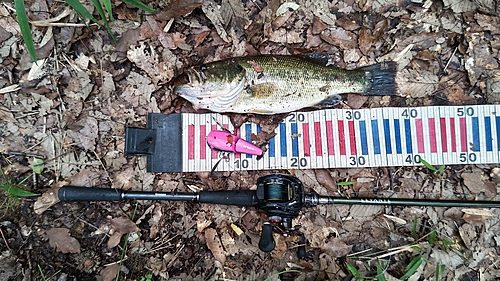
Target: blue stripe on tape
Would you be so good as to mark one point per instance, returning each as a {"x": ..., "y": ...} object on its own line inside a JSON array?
[
  {"x": 272, "y": 147},
  {"x": 409, "y": 146},
  {"x": 497, "y": 121},
  {"x": 387, "y": 137},
  {"x": 364, "y": 142},
  {"x": 283, "y": 139},
  {"x": 475, "y": 134},
  {"x": 248, "y": 132},
  {"x": 295, "y": 140},
  {"x": 397, "y": 136},
  {"x": 487, "y": 128},
  {"x": 376, "y": 140}
]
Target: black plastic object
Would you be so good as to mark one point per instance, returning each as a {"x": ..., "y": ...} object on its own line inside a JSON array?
[
  {"x": 79, "y": 194},
  {"x": 266, "y": 242},
  {"x": 301, "y": 251},
  {"x": 161, "y": 142},
  {"x": 228, "y": 197}
]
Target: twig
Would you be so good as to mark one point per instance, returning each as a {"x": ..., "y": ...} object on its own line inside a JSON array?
[{"x": 4, "y": 240}]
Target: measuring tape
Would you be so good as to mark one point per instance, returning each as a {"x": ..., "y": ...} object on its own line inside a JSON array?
[{"x": 335, "y": 138}]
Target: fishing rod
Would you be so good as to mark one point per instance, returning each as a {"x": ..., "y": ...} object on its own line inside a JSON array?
[{"x": 281, "y": 197}]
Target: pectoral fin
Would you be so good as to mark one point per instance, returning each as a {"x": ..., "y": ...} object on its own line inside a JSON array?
[
  {"x": 262, "y": 90},
  {"x": 329, "y": 102}
]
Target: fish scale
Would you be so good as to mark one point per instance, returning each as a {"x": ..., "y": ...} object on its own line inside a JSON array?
[{"x": 340, "y": 138}]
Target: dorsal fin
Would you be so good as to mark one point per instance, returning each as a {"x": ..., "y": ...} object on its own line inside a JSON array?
[{"x": 317, "y": 57}]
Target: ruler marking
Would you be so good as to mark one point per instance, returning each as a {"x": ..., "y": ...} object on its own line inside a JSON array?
[
  {"x": 283, "y": 139},
  {"x": 307, "y": 143},
  {"x": 329, "y": 137},
  {"x": 476, "y": 143},
  {"x": 352, "y": 137},
  {"x": 453, "y": 135},
  {"x": 397, "y": 134},
  {"x": 317, "y": 138},
  {"x": 295, "y": 140},
  {"x": 432, "y": 135},
  {"x": 342, "y": 137},
  {"x": 487, "y": 127},
  {"x": 362, "y": 137},
  {"x": 409, "y": 146},
  {"x": 248, "y": 132},
  {"x": 420, "y": 135},
  {"x": 191, "y": 142},
  {"x": 387, "y": 136},
  {"x": 376, "y": 140},
  {"x": 463, "y": 134}
]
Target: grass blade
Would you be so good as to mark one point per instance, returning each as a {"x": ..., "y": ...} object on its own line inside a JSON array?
[
  {"x": 80, "y": 9},
  {"x": 107, "y": 5},
  {"x": 17, "y": 191},
  {"x": 380, "y": 273},
  {"x": 412, "y": 267},
  {"x": 22, "y": 18},
  {"x": 140, "y": 5},
  {"x": 354, "y": 271},
  {"x": 100, "y": 10}
]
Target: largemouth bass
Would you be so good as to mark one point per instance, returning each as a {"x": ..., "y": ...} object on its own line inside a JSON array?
[{"x": 269, "y": 84}]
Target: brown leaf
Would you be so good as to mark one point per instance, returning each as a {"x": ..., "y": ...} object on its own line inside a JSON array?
[
  {"x": 108, "y": 273},
  {"x": 347, "y": 24},
  {"x": 340, "y": 37},
  {"x": 123, "y": 225},
  {"x": 48, "y": 199},
  {"x": 365, "y": 40},
  {"x": 325, "y": 179},
  {"x": 337, "y": 248},
  {"x": 61, "y": 240},
  {"x": 215, "y": 245},
  {"x": 318, "y": 26},
  {"x": 179, "y": 8},
  {"x": 476, "y": 185}
]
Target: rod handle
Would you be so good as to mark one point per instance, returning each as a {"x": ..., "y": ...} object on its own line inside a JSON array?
[
  {"x": 229, "y": 197},
  {"x": 80, "y": 194}
]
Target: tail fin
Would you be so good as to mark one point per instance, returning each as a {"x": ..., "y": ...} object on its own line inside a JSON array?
[{"x": 382, "y": 79}]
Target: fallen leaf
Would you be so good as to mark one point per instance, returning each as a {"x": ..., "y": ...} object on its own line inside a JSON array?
[
  {"x": 108, "y": 273},
  {"x": 215, "y": 245},
  {"x": 61, "y": 240},
  {"x": 467, "y": 233},
  {"x": 336, "y": 248},
  {"x": 179, "y": 8},
  {"x": 325, "y": 179},
  {"x": 48, "y": 199},
  {"x": 121, "y": 225},
  {"x": 416, "y": 83},
  {"x": 476, "y": 184}
]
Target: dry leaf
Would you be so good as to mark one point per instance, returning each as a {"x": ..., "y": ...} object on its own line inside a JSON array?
[
  {"x": 325, "y": 179},
  {"x": 121, "y": 225},
  {"x": 416, "y": 83},
  {"x": 476, "y": 185},
  {"x": 48, "y": 199},
  {"x": 61, "y": 240},
  {"x": 108, "y": 273},
  {"x": 467, "y": 233},
  {"x": 215, "y": 245},
  {"x": 336, "y": 248}
]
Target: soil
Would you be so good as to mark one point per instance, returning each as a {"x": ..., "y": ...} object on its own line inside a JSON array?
[{"x": 70, "y": 110}]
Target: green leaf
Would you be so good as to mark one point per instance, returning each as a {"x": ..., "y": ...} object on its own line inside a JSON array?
[
  {"x": 412, "y": 267},
  {"x": 37, "y": 165},
  {"x": 15, "y": 191},
  {"x": 107, "y": 5},
  {"x": 432, "y": 237},
  {"x": 22, "y": 18},
  {"x": 100, "y": 10},
  {"x": 380, "y": 273},
  {"x": 344, "y": 183},
  {"x": 80, "y": 9},
  {"x": 140, "y": 5},
  {"x": 427, "y": 165},
  {"x": 439, "y": 270},
  {"x": 354, "y": 271}
]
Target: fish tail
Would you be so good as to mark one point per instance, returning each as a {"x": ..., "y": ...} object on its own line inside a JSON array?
[{"x": 382, "y": 79}]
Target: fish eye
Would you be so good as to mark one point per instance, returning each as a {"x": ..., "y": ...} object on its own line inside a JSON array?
[{"x": 203, "y": 67}]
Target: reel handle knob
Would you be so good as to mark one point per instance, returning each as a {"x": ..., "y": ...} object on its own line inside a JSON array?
[{"x": 266, "y": 242}]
